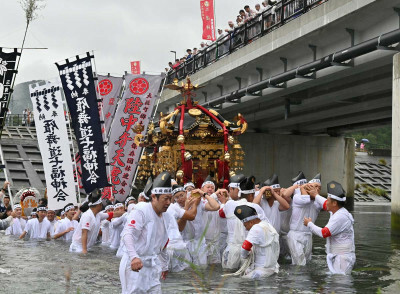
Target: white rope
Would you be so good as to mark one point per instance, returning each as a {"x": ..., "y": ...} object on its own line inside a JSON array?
[{"x": 248, "y": 262}]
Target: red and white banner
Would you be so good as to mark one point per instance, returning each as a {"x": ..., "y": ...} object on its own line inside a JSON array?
[
  {"x": 135, "y": 67},
  {"x": 208, "y": 17},
  {"x": 135, "y": 107}
]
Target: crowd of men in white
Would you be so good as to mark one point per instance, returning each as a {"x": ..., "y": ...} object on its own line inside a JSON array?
[{"x": 245, "y": 228}]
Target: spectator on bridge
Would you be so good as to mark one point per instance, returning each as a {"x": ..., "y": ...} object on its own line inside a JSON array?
[
  {"x": 239, "y": 21},
  {"x": 176, "y": 64},
  {"x": 170, "y": 65},
  {"x": 265, "y": 6},
  {"x": 195, "y": 51},
  {"x": 189, "y": 54},
  {"x": 243, "y": 15},
  {"x": 258, "y": 8},
  {"x": 231, "y": 27},
  {"x": 250, "y": 13},
  {"x": 4, "y": 200},
  {"x": 221, "y": 34},
  {"x": 202, "y": 46}
]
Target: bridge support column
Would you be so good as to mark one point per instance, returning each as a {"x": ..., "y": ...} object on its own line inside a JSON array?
[
  {"x": 286, "y": 155},
  {"x": 396, "y": 146}
]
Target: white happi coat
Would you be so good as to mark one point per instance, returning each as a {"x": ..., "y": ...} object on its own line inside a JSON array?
[
  {"x": 36, "y": 229},
  {"x": 340, "y": 248},
  {"x": 299, "y": 236},
  {"x": 145, "y": 237},
  {"x": 65, "y": 224},
  {"x": 88, "y": 222},
  {"x": 263, "y": 239},
  {"x": 236, "y": 231},
  {"x": 17, "y": 227},
  {"x": 193, "y": 236},
  {"x": 116, "y": 227},
  {"x": 176, "y": 249}
]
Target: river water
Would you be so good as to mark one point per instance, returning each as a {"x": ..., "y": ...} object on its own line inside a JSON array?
[{"x": 48, "y": 267}]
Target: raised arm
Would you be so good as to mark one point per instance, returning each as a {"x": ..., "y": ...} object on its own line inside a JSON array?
[{"x": 283, "y": 204}]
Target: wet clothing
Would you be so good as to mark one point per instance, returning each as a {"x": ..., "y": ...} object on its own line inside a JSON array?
[
  {"x": 65, "y": 224},
  {"x": 339, "y": 235},
  {"x": 299, "y": 236},
  {"x": 17, "y": 227},
  {"x": 272, "y": 213},
  {"x": 105, "y": 232},
  {"x": 36, "y": 229},
  {"x": 116, "y": 227},
  {"x": 145, "y": 237},
  {"x": 91, "y": 223},
  {"x": 5, "y": 223},
  {"x": 264, "y": 241},
  {"x": 213, "y": 234}
]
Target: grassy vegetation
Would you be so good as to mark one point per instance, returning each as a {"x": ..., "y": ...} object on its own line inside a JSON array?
[
  {"x": 373, "y": 190},
  {"x": 382, "y": 161}
]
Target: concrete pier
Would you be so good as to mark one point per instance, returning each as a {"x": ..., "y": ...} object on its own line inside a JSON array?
[
  {"x": 396, "y": 145},
  {"x": 286, "y": 155}
]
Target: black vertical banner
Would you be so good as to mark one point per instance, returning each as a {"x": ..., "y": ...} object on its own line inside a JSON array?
[
  {"x": 8, "y": 63},
  {"x": 80, "y": 93}
]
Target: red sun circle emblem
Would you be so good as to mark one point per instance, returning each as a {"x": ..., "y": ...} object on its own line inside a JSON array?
[
  {"x": 104, "y": 87},
  {"x": 133, "y": 222},
  {"x": 139, "y": 86}
]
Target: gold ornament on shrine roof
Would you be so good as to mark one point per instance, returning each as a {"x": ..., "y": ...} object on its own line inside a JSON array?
[{"x": 191, "y": 142}]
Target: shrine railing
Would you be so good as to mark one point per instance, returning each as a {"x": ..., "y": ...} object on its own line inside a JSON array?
[{"x": 274, "y": 17}]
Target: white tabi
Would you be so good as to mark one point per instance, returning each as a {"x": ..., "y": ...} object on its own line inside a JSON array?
[
  {"x": 195, "y": 242},
  {"x": 36, "y": 229},
  {"x": 176, "y": 248},
  {"x": 65, "y": 224},
  {"x": 299, "y": 236},
  {"x": 339, "y": 234},
  {"x": 105, "y": 232},
  {"x": 264, "y": 240},
  {"x": 88, "y": 222},
  {"x": 145, "y": 237},
  {"x": 213, "y": 234},
  {"x": 17, "y": 227},
  {"x": 116, "y": 227},
  {"x": 236, "y": 232}
]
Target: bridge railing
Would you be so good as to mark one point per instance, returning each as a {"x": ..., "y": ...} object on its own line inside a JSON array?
[
  {"x": 274, "y": 17},
  {"x": 18, "y": 120}
]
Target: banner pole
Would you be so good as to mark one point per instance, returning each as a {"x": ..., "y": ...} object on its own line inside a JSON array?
[
  {"x": 6, "y": 178},
  {"x": 103, "y": 134},
  {"x": 152, "y": 120}
]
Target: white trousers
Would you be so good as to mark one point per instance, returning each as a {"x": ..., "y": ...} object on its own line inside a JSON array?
[
  {"x": 341, "y": 264},
  {"x": 300, "y": 247},
  {"x": 231, "y": 257},
  {"x": 147, "y": 280}
]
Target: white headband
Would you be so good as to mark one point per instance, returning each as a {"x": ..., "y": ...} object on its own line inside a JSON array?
[
  {"x": 144, "y": 195},
  {"x": 234, "y": 185},
  {"x": 247, "y": 191},
  {"x": 161, "y": 190},
  {"x": 249, "y": 218},
  {"x": 207, "y": 182},
  {"x": 41, "y": 209},
  {"x": 315, "y": 181},
  {"x": 128, "y": 199},
  {"x": 17, "y": 206},
  {"x": 96, "y": 203},
  {"x": 337, "y": 198},
  {"x": 33, "y": 213},
  {"x": 275, "y": 186},
  {"x": 179, "y": 189},
  {"x": 118, "y": 205},
  {"x": 188, "y": 184},
  {"x": 68, "y": 208},
  {"x": 300, "y": 182},
  {"x": 108, "y": 207}
]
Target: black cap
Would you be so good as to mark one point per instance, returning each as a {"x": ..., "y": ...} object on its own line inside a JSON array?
[
  {"x": 300, "y": 179},
  {"x": 316, "y": 179},
  {"x": 237, "y": 178},
  {"x": 245, "y": 213},
  {"x": 162, "y": 184},
  {"x": 148, "y": 187},
  {"x": 336, "y": 191},
  {"x": 273, "y": 182},
  {"x": 247, "y": 185}
]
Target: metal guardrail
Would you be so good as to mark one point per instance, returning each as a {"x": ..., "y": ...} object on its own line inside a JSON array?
[
  {"x": 18, "y": 120},
  {"x": 274, "y": 17}
]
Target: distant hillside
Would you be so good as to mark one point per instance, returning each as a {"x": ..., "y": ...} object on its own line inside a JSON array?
[{"x": 20, "y": 98}]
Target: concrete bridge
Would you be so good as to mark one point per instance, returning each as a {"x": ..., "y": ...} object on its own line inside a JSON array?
[{"x": 303, "y": 85}]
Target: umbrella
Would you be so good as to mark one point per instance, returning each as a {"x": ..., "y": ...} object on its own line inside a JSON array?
[{"x": 365, "y": 140}]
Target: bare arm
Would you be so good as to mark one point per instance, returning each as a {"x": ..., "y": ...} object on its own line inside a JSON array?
[
  {"x": 212, "y": 204},
  {"x": 283, "y": 204},
  {"x": 257, "y": 199},
  {"x": 84, "y": 241},
  {"x": 22, "y": 235}
]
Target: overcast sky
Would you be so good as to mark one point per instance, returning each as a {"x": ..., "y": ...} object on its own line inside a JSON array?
[{"x": 119, "y": 31}]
